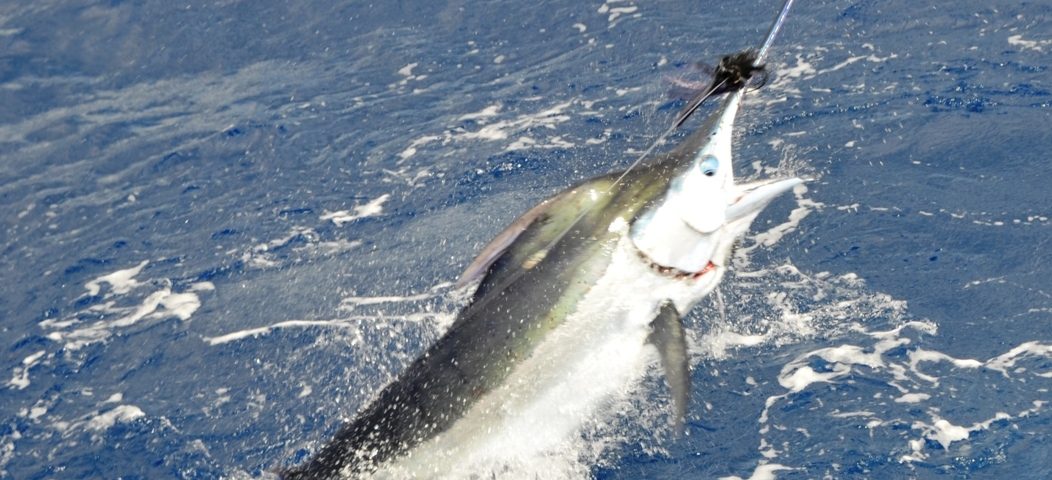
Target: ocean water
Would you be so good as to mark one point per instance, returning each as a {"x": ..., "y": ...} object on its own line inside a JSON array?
[{"x": 226, "y": 225}]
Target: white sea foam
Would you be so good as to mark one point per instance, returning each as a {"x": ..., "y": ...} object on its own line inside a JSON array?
[
  {"x": 804, "y": 208},
  {"x": 524, "y": 143},
  {"x": 920, "y": 355},
  {"x": 411, "y": 149},
  {"x": 112, "y": 311},
  {"x": 407, "y": 71},
  {"x": 160, "y": 304},
  {"x": 1006, "y": 361},
  {"x": 523, "y": 128},
  {"x": 370, "y": 209},
  {"x": 258, "y": 331},
  {"x": 884, "y": 357},
  {"x": 805, "y": 66},
  {"x": 407, "y": 75},
  {"x": 7, "y": 448},
  {"x": 352, "y": 302},
  {"x": 422, "y": 312},
  {"x": 764, "y": 471},
  {"x": 1022, "y": 43},
  {"x": 946, "y": 433},
  {"x": 261, "y": 255},
  {"x": 615, "y": 9},
  {"x": 121, "y": 281},
  {"x": 20, "y": 377},
  {"x": 99, "y": 420},
  {"x": 118, "y": 414},
  {"x": 488, "y": 112},
  {"x": 500, "y": 130},
  {"x": 912, "y": 398},
  {"x": 300, "y": 243}
]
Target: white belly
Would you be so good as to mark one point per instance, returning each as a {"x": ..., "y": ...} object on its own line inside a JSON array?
[{"x": 531, "y": 425}]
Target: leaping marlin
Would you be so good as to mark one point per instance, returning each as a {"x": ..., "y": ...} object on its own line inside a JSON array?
[{"x": 570, "y": 299}]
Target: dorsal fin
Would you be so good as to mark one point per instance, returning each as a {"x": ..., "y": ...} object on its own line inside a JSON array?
[
  {"x": 524, "y": 242},
  {"x": 496, "y": 247}
]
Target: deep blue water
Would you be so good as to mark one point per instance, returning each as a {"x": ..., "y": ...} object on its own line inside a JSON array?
[{"x": 175, "y": 172}]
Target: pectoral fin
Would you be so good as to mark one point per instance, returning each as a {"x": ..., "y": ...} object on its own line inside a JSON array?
[{"x": 668, "y": 336}]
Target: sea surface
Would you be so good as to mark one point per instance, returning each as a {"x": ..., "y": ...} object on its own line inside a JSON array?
[{"x": 225, "y": 225}]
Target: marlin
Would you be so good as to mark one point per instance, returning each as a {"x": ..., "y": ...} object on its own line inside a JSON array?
[{"x": 571, "y": 301}]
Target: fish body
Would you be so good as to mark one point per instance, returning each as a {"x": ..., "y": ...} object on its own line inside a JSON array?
[{"x": 570, "y": 300}]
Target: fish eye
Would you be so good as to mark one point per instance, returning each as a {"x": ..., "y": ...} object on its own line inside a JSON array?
[{"x": 709, "y": 166}]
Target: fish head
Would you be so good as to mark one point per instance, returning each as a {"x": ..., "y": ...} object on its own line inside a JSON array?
[{"x": 703, "y": 212}]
